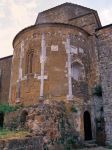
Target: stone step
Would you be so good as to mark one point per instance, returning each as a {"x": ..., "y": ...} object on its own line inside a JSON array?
[
  {"x": 90, "y": 144},
  {"x": 90, "y": 141}
]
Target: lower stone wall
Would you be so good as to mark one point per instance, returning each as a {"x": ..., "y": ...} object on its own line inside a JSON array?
[
  {"x": 32, "y": 143},
  {"x": 11, "y": 117},
  {"x": 54, "y": 121},
  {"x": 104, "y": 36},
  {"x": 99, "y": 119}
]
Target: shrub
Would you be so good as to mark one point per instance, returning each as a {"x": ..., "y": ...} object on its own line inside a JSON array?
[
  {"x": 98, "y": 91},
  {"x": 74, "y": 109},
  {"x": 4, "y": 108}
]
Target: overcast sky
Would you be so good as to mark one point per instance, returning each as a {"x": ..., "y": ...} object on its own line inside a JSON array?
[{"x": 18, "y": 14}]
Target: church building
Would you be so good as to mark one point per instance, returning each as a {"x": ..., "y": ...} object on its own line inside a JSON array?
[{"x": 65, "y": 55}]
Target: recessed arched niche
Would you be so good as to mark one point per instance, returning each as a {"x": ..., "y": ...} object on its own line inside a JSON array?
[{"x": 77, "y": 71}]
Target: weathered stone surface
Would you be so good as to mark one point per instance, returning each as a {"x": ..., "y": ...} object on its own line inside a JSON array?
[
  {"x": 52, "y": 120},
  {"x": 5, "y": 74},
  {"x": 34, "y": 143},
  {"x": 71, "y": 14},
  {"x": 25, "y": 86},
  {"x": 96, "y": 148},
  {"x": 57, "y": 83},
  {"x": 67, "y": 29},
  {"x": 105, "y": 57}
]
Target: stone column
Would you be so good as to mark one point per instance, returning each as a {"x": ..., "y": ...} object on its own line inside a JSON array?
[
  {"x": 68, "y": 51},
  {"x": 20, "y": 73},
  {"x": 42, "y": 77}
]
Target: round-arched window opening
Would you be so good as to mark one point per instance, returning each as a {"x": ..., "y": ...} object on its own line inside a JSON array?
[
  {"x": 23, "y": 117},
  {"x": 1, "y": 119},
  {"x": 76, "y": 71}
]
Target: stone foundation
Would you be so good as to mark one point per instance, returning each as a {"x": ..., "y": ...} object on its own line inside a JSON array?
[
  {"x": 33, "y": 143},
  {"x": 54, "y": 121}
]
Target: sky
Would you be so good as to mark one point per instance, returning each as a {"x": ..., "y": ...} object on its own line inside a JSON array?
[{"x": 18, "y": 14}]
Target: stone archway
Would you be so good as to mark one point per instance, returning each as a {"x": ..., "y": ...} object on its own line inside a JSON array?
[
  {"x": 23, "y": 117},
  {"x": 87, "y": 126},
  {"x": 1, "y": 119}
]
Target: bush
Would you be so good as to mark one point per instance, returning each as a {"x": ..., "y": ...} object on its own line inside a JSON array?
[
  {"x": 98, "y": 91},
  {"x": 4, "y": 108},
  {"x": 74, "y": 109}
]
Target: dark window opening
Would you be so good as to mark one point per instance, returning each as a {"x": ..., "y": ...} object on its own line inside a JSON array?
[
  {"x": 23, "y": 117},
  {"x": 29, "y": 62},
  {"x": 1, "y": 119}
]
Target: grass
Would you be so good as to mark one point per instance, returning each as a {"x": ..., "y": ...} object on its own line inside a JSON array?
[{"x": 7, "y": 134}]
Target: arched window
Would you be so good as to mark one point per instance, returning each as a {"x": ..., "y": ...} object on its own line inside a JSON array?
[
  {"x": 77, "y": 70},
  {"x": 29, "y": 62},
  {"x": 23, "y": 117}
]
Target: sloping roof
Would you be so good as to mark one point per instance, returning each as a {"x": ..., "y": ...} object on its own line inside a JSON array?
[
  {"x": 67, "y": 4},
  {"x": 10, "y": 56},
  {"x": 104, "y": 27},
  {"x": 63, "y": 13}
]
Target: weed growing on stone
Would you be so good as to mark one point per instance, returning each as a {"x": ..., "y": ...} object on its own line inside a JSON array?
[{"x": 7, "y": 134}]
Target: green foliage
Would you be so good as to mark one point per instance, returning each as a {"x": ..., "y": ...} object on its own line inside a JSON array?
[
  {"x": 4, "y": 108},
  {"x": 3, "y": 132},
  {"x": 98, "y": 91},
  {"x": 7, "y": 134},
  {"x": 74, "y": 109}
]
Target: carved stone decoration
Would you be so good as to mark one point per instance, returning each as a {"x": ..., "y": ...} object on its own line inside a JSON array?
[{"x": 54, "y": 48}]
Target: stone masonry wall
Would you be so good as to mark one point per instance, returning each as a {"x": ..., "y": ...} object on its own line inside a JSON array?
[
  {"x": 53, "y": 120},
  {"x": 56, "y": 84},
  {"x": 57, "y": 24},
  {"x": 71, "y": 14},
  {"x": 105, "y": 57},
  {"x": 61, "y": 14},
  {"x": 87, "y": 22},
  {"x": 32, "y": 143},
  {"x": 5, "y": 73}
]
